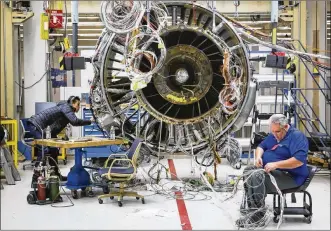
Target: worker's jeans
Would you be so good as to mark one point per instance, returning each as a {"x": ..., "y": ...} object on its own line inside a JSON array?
[
  {"x": 54, "y": 152},
  {"x": 257, "y": 188}
]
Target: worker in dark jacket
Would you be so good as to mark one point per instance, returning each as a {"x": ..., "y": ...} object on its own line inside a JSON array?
[{"x": 57, "y": 118}]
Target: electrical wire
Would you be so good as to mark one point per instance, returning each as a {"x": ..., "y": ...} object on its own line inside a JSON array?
[
  {"x": 33, "y": 83},
  {"x": 138, "y": 47},
  {"x": 121, "y": 17},
  {"x": 280, "y": 48}
]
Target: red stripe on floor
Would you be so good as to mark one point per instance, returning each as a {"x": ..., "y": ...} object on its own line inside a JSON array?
[{"x": 184, "y": 219}]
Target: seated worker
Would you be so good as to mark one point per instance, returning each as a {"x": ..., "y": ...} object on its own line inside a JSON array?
[
  {"x": 57, "y": 118},
  {"x": 283, "y": 154}
]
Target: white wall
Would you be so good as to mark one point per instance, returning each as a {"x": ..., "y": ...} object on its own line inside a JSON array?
[
  {"x": 34, "y": 61},
  {"x": 87, "y": 74}
]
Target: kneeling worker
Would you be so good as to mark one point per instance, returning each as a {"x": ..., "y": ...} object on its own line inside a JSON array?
[
  {"x": 57, "y": 118},
  {"x": 283, "y": 154}
]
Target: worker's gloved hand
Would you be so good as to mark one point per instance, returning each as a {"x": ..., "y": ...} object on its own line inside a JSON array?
[{"x": 259, "y": 162}]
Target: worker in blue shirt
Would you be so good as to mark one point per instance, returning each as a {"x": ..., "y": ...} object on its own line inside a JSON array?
[{"x": 283, "y": 154}]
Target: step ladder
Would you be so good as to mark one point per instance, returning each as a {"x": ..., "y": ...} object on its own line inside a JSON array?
[{"x": 9, "y": 169}]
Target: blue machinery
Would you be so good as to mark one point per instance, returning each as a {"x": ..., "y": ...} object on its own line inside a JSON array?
[{"x": 78, "y": 177}]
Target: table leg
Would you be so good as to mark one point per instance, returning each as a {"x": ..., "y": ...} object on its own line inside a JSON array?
[{"x": 78, "y": 177}]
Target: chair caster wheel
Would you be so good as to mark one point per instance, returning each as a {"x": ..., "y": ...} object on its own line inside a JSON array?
[
  {"x": 112, "y": 198},
  {"x": 105, "y": 190},
  {"x": 120, "y": 204},
  {"x": 276, "y": 219},
  {"x": 74, "y": 194},
  {"x": 100, "y": 201},
  {"x": 137, "y": 198},
  {"x": 308, "y": 219},
  {"x": 143, "y": 200}
]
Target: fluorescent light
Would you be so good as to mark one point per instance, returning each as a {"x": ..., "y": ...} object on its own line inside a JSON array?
[
  {"x": 254, "y": 23},
  {"x": 284, "y": 34},
  {"x": 87, "y": 35},
  {"x": 285, "y": 38},
  {"x": 86, "y": 17},
  {"x": 87, "y": 39},
  {"x": 87, "y": 24},
  {"x": 284, "y": 28},
  {"x": 257, "y": 28}
]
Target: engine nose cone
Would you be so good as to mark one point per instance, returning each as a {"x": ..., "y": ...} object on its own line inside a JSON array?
[{"x": 181, "y": 75}]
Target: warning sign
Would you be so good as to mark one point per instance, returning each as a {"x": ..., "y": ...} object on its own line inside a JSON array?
[{"x": 55, "y": 19}]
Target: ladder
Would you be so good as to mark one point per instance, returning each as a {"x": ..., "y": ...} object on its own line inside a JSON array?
[
  {"x": 305, "y": 113},
  {"x": 9, "y": 169}
]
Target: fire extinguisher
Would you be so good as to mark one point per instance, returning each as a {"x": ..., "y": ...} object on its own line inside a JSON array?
[{"x": 41, "y": 185}]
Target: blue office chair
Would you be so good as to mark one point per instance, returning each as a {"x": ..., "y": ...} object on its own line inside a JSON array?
[
  {"x": 122, "y": 169},
  {"x": 27, "y": 139}
]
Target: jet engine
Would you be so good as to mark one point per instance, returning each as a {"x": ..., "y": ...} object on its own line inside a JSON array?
[{"x": 175, "y": 74}]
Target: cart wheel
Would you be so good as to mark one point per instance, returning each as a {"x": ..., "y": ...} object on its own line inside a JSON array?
[
  {"x": 90, "y": 194},
  {"x": 238, "y": 165},
  {"x": 276, "y": 219},
  {"x": 143, "y": 200},
  {"x": 120, "y": 204},
  {"x": 100, "y": 201},
  {"x": 137, "y": 198},
  {"x": 24, "y": 168},
  {"x": 74, "y": 194},
  {"x": 112, "y": 198},
  {"x": 65, "y": 161},
  {"x": 309, "y": 219},
  {"x": 30, "y": 198}
]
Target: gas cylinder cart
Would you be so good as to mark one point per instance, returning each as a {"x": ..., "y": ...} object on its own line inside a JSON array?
[
  {"x": 46, "y": 188},
  {"x": 45, "y": 191},
  {"x": 78, "y": 177}
]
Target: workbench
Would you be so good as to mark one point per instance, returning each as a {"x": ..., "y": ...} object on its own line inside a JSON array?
[{"x": 78, "y": 177}]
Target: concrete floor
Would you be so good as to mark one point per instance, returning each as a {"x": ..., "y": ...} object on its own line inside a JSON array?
[{"x": 159, "y": 212}]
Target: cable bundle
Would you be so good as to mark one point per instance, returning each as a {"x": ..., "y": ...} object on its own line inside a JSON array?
[
  {"x": 140, "y": 56},
  {"x": 230, "y": 97},
  {"x": 160, "y": 14},
  {"x": 231, "y": 148},
  {"x": 121, "y": 16}
]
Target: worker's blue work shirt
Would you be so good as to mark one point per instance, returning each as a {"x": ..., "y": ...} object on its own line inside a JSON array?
[{"x": 294, "y": 144}]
